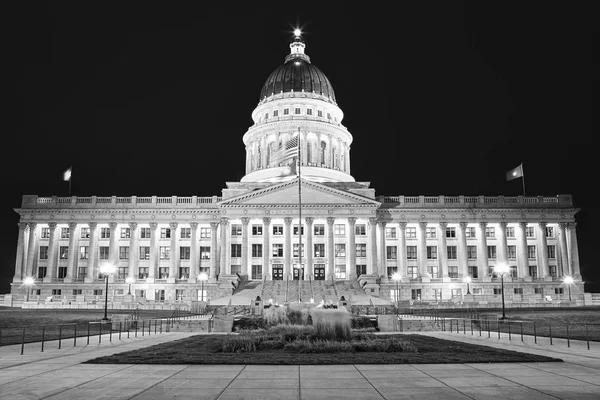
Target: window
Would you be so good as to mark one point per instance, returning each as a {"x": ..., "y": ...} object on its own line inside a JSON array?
[
  {"x": 513, "y": 271},
  {"x": 512, "y": 252},
  {"x": 390, "y": 233},
  {"x": 205, "y": 252},
  {"x": 266, "y": 116},
  {"x": 98, "y": 292},
  {"x": 518, "y": 290},
  {"x": 184, "y": 273},
  {"x": 538, "y": 290},
  {"x": 257, "y": 250},
  {"x": 453, "y": 271},
  {"x": 390, "y": 272},
  {"x": 144, "y": 233},
  {"x": 451, "y": 250},
  {"x": 236, "y": 230},
  {"x": 186, "y": 233},
  {"x": 43, "y": 252},
  {"x": 411, "y": 252},
  {"x": 165, "y": 252},
  {"x": 510, "y": 232},
  {"x": 56, "y": 292},
  {"x": 165, "y": 233},
  {"x": 549, "y": 231},
  {"x": 551, "y": 251},
  {"x": 392, "y": 252},
  {"x": 85, "y": 233},
  {"x": 277, "y": 250},
  {"x": 319, "y": 113},
  {"x": 104, "y": 233},
  {"x": 257, "y": 230},
  {"x": 490, "y": 232},
  {"x": 295, "y": 249},
  {"x": 412, "y": 272},
  {"x": 45, "y": 233},
  {"x": 473, "y": 271},
  {"x": 415, "y": 294},
  {"x": 340, "y": 271},
  {"x": 340, "y": 250},
  {"x": 361, "y": 250},
  {"x": 559, "y": 290},
  {"x": 309, "y": 111},
  {"x": 64, "y": 233},
  {"x": 361, "y": 269},
  {"x": 123, "y": 252},
  {"x": 432, "y": 252},
  {"x": 297, "y": 110},
  {"x": 76, "y": 292},
  {"x": 143, "y": 272},
  {"x": 470, "y": 232},
  {"x": 328, "y": 115},
  {"x": 491, "y": 252},
  {"x": 286, "y": 111},
  {"x": 319, "y": 230},
  {"x": 277, "y": 230},
  {"x": 257, "y": 272},
  {"x": 497, "y": 291},
  {"x": 179, "y": 293},
  {"x": 42, "y": 272},
  {"x": 530, "y": 231},
  {"x": 62, "y": 272},
  {"x": 163, "y": 272},
  {"x": 456, "y": 292},
  {"x": 437, "y": 294},
  {"x": 276, "y": 113},
  {"x": 450, "y": 232},
  {"x": 144, "y": 252},
  {"x": 184, "y": 253},
  {"x": 430, "y": 233},
  {"x": 360, "y": 230},
  {"x": 159, "y": 294},
  {"x": 236, "y": 250},
  {"x": 204, "y": 233},
  {"x": 476, "y": 291},
  {"x": 104, "y": 252},
  {"x": 295, "y": 230},
  {"x": 533, "y": 271},
  {"x": 339, "y": 229},
  {"x": 63, "y": 252},
  {"x": 531, "y": 252},
  {"x": 472, "y": 252},
  {"x": 411, "y": 233},
  {"x": 319, "y": 250},
  {"x": 125, "y": 233},
  {"x": 83, "y": 252},
  {"x": 432, "y": 270}
]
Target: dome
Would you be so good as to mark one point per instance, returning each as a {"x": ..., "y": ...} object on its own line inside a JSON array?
[{"x": 297, "y": 74}]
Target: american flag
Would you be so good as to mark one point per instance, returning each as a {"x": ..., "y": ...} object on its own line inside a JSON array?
[{"x": 287, "y": 152}]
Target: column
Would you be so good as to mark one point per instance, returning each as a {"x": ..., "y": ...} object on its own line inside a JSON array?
[
  {"x": 31, "y": 250},
  {"x": 194, "y": 252},
  {"x": 320, "y": 159},
  {"x": 133, "y": 250},
  {"x": 93, "y": 243},
  {"x": 264, "y": 151},
  {"x": 152, "y": 270},
  {"x": 373, "y": 246},
  {"x": 348, "y": 159},
  {"x": 330, "y": 266},
  {"x": 331, "y": 153},
  {"x": 422, "y": 248},
  {"x": 573, "y": 251},
  {"x": 213, "y": 251},
  {"x": 402, "y": 249},
  {"x": 522, "y": 255},
  {"x": 244, "y": 267},
  {"x": 462, "y": 249},
  {"x": 339, "y": 156},
  {"x": 248, "y": 159},
  {"x": 544, "y": 268},
  {"x": 287, "y": 247},
  {"x": 72, "y": 255},
  {"x": 351, "y": 250},
  {"x": 443, "y": 250},
  {"x": 304, "y": 147},
  {"x": 266, "y": 244},
  {"x": 382, "y": 270},
  {"x": 113, "y": 250},
  {"x": 482, "y": 256},
  {"x": 503, "y": 248},
  {"x": 20, "y": 252},
  {"x": 173, "y": 273},
  {"x": 562, "y": 245},
  {"x": 223, "y": 270}
]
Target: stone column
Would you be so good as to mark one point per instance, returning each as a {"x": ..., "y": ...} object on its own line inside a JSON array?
[
  {"x": 93, "y": 254},
  {"x": 52, "y": 253},
  {"x": 443, "y": 251},
  {"x": 173, "y": 273},
  {"x": 244, "y": 267},
  {"x": 153, "y": 269},
  {"x": 248, "y": 159},
  {"x": 320, "y": 160},
  {"x": 304, "y": 147},
  {"x": 20, "y": 252},
  {"x": 339, "y": 155},
  {"x": 503, "y": 248},
  {"x": 482, "y": 257},
  {"x": 544, "y": 267},
  {"x": 331, "y": 152},
  {"x": 351, "y": 251},
  {"x": 522, "y": 250},
  {"x": 402, "y": 264},
  {"x": 462, "y": 249},
  {"x": 213, "y": 251},
  {"x": 264, "y": 151},
  {"x": 287, "y": 247},
  {"x": 72, "y": 255},
  {"x": 348, "y": 159},
  {"x": 308, "y": 254},
  {"x": 113, "y": 249},
  {"x": 373, "y": 244},
  {"x": 382, "y": 270},
  {"x": 223, "y": 270},
  {"x": 194, "y": 252},
  {"x": 266, "y": 244},
  {"x": 573, "y": 251},
  {"x": 330, "y": 266},
  {"x": 32, "y": 244},
  {"x": 562, "y": 245},
  {"x": 422, "y": 249},
  {"x": 133, "y": 250}
]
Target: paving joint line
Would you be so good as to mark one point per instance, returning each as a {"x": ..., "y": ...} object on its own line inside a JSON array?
[
  {"x": 444, "y": 383},
  {"x": 374, "y": 388},
  {"x": 229, "y": 384}
]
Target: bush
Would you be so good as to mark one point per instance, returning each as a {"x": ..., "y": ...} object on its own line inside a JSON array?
[
  {"x": 332, "y": 324},
  {"x": 272, "y": 344},
  {"x": 249, "y": 323},
  {"x": 288, "y": 333},
  {"x": 238, "y": 344},
  {"x": 364, "y": 322},
  {"x": 275, "y": 315},
  {"x": 318, "y": 346},
  {"x": 388, "y": 345}
]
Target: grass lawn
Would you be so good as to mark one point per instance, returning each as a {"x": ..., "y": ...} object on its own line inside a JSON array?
[{"x": 205, "y": 349}]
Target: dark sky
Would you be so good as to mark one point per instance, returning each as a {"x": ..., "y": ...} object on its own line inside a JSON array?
[{"x": 146, "y": 98}]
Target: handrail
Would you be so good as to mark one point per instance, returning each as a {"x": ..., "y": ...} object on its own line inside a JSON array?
[
  {"x": 312, "y": 290},
  {"x": 334, "y": 287},
  {"x": 287, "y": 284}
]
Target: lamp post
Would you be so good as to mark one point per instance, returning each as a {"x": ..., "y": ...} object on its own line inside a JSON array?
[
  {"x": 130, "y": 280},
  {"x": 502, "y": 269},
  {"x": 467, "y": 280},
  {"x": 28, "y": 282},
  {"x": 568, "y": 280},
  {"x": 396, "y": 277},
  {"x": 202, "y": 277},
  {"x": 106, "y": 270}
]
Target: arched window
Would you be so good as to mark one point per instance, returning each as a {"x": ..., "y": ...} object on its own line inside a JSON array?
[{"x": 323, "y": 148}]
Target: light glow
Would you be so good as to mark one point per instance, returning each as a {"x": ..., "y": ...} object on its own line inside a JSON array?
[
  {"x": 467, "y": 279},
  {"x": 297, "y": 32},
  {"x": 501, "y": 269},
  {"x": 203, "y": 277},
  {"x": 568, "y": 280},
  {"x": 130, "y": 280},
  {"x": 28, "y": 281},
  {"x": 397, "y": 276},
  {"x": 107, "y": 269}
]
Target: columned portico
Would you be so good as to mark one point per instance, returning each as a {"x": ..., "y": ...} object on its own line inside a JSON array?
[
  {"x": 443, "y": 250},
  {"x": 224, "y": 270},
  {"x": 573, "y": 251},
  {"x": 402, "y": 250},
  {"x": 20, "y": 252},
  {"x": 482, "y": 250},
  {"x": 173, "y": 272},
  {"x": 382, "y": 270},
  {"x": 133, "y": 253},
  {"x": 32, "y": 244},
  {"x": 503, "y": 245},
  {"x": 92, "y": 264},
  {"x": 214, "y": 226},
  {"x": 266, "y": 245},
  {"x": 308, "y": 270},
  {"x": 244, "y": 266},
  {"x": 462, "y": 249},
  {"x": 543, "y": 250},
  {"x": 351, "y": 251},
  {"x": 329, "y": 267},
  {"x": 72, "y": 254},
  {"x": 287, "y": 248},
  {"x": 194, "y": 259},
  {"x": 422, "y": 248},
  {"x": 373, "y": 246},
  {"x": 52, "y": 247},
  {"x": 522, "y": 257},
  {"x": 562, "y": 244}
]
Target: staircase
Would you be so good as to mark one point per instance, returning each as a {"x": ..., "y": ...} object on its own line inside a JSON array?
[
  {"x": 250, "y": 289},
  {"x": 274, "y": 290},
  {"x": 349, "y": 289},
  {"x": 324, "y": 290}
]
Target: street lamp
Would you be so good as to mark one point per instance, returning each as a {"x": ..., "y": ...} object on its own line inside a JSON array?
[
  {"x": 502, "y": 269},
  {"x": 28, "y": 282},
  {"x": 467, "y": 280},
  {"x": 568, "y": 280},
  {"x": 130, "y": 280},
  {"x": 106, "y": 270},
  {"x": 396, "y": 277},
  {"x": 202, "y": 277}
]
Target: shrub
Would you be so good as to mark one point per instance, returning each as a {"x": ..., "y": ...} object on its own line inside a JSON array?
[
  {"x": 288, "y": 333},
  {"x": 363, "y": 322},
  {"x": 275, "y": 315},
  {"x": 249, "y": 323},
  {"x": 388, "y": 345},
  {"x": 331, "y": 324},
  {"x": 272, "y": 344},
  {"x": 238, "y": 344},
  {"x": 318, "y": 346}
]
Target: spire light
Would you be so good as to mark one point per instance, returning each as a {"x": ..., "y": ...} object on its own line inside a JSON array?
[{"x": 297, "y": 32}]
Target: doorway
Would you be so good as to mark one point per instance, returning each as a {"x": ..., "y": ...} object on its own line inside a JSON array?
[
  {"x": 277, "y": 273},
  {"x": 319, "y": 272}
]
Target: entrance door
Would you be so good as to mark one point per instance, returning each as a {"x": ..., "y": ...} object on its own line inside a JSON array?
[
  {"x": 277, "y": 273},
  {"x": 319, "y": 272},
  {"x": 360, "y": 270},
  {"x": 298, "y": 273}
]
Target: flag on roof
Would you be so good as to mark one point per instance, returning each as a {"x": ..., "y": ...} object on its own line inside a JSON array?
[
  {"x": 287, "y": 152},
  {"x": 515, "y": 173},
  {"x": 67, "y": 174}
]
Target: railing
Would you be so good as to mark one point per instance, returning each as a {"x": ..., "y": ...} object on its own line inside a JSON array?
[
  {"x": 32, "y": 201},
  {"x": 477, "y": 201}
]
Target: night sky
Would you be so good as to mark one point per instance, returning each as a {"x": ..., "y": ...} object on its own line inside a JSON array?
[{"x": 146, "y": 98}]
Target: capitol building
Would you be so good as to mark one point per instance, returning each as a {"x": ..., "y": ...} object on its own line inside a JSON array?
[{"x": 298, "y": 217}]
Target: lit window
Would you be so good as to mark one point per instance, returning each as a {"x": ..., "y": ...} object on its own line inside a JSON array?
[
  {"x": 185, "y": 233},
  {"x": 64, "y": 233},
  {"x": 296, "y": 250},
  {"x": 550, "y": 231},
  {"x": 144, "y": 252},
  {"x": 85, "y": 233},
  {"x": 340, "y": 250},
  {"x": 165, "y": 252},
  {"x": 165, "y": 233},
  {"x": 432, "y": 252},
  {"x": 319, "y": 250},
  {"x": 204, "y": 233},
  {"x": 319, "y": 230},
  {"x": 510, "y": 232},
  {"x": 45, "y": 233},
  {"x": 257, "y": 230},
  {"x": 236, "y": 230},
  {"x": 470, "y": 232},
  {"x": 295, "y": 230},
  {"x": 490, "y": 232},
  {"x": 339, "y": 229},
  {"x": 411, "y": 233},
  {"x": 530, "y": 231},
  {"x": 277, "y": 230},
  {"x": 430, "y": 233},
  {"x": 390, "y": 233},
  {"x": 277, "y": 250},
  {"x": 83, "y": 252},
  {"x": 125, "y": 232},
  {"x": 205, "y": 252}
]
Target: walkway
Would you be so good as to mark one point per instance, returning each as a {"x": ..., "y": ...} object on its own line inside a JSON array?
[{"x": 59, "y": 374}]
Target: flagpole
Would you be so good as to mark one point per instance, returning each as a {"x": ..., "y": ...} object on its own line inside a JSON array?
[
  {"x": 300, "y": 221},
  {"x": 70, "y": 178},
  {"x": 523, "y": 176}
]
